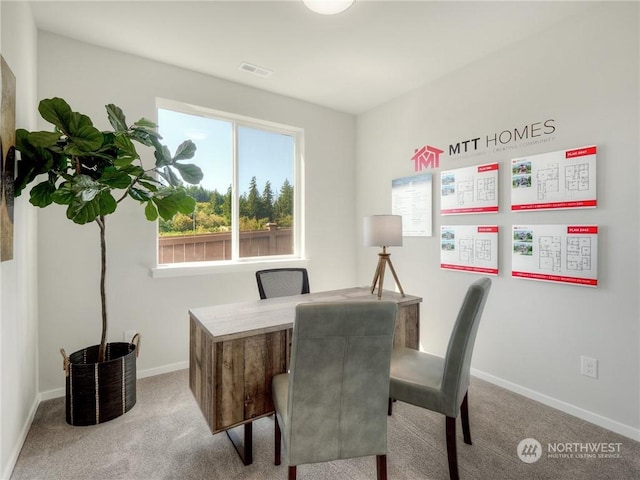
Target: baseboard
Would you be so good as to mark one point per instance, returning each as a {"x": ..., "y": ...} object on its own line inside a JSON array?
[
  {"x": 13, "y": 458},
  {"x": 604, "y": 422},
  {"x": 150, "y": 372}
]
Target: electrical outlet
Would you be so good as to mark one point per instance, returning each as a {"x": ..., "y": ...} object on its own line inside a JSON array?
[
  {"x": 589, "y": 367},
  {"x": 128, "y": 335}
]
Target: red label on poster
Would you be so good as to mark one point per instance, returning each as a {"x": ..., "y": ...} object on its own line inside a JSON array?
[
  {"x": 467, "y": 268},
  {"x": 585, "y": 229},
  {"x": 487, "y": 168},
  {"x": 488, "y": 229},
  {"x": 555, "y": 205},
  {"x": 450, "y": 211},
  {"x": 592, "y": 282},
  {"x": 580, "y": 152}
]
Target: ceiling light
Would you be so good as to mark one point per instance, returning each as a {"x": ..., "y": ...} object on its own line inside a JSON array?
[{"x": 328, "y": 7}]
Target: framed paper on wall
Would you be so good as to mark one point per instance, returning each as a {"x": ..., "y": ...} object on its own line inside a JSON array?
[
  {"x": 7, "y": 163},
  {"x": 411, "y": 197},
  {"x": 560, "y": 180},
  {"x": 556, "y": 253}
]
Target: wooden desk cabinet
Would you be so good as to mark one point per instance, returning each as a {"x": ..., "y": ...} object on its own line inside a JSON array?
[{"x": 236, "y": 349}]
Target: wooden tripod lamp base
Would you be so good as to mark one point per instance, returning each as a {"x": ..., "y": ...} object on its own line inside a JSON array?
[
  {"x": 378, "y": 277},
  {"x": 383, "y": 231}
]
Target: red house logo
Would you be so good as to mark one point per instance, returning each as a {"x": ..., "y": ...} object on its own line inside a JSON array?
[{"x": 426, "y": 157}]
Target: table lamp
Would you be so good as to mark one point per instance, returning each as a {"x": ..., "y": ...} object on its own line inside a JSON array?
[{"x": 383, "y": 231}]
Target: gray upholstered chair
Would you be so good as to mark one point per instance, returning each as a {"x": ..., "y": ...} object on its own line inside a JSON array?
[
  {"x": 281, "y": 282},
  {"x": 333, "y": 402},
  {"x": 441, "y": 384}
]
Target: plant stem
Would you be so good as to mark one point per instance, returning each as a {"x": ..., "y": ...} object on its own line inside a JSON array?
[{"x": 103, "y": 297}]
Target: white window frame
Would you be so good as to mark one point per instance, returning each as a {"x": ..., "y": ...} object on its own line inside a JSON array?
[{"x": 237, "y": 264}]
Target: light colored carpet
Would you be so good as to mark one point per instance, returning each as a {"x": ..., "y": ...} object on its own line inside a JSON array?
[{"x": 165, "y": 437}]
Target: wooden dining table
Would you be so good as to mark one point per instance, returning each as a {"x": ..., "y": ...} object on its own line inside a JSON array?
[{"x": 235, "y": 350}]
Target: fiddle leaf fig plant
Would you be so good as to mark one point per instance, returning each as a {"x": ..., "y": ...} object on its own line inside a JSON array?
[{"x": 92, "y": 171}]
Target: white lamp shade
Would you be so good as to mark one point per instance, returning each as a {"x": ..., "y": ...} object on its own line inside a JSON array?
[
  {"x": 382, "y": 230},
  {"x": 328, "y": 7}
]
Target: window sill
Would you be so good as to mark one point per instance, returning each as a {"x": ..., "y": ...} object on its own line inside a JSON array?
[{"x": 218, "y": 268}]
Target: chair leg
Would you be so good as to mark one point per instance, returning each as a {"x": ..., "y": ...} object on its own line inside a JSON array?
[
  {"x": 390, "y": 408},
  {"x": 277, "y": 440},
  {"x": 292, "y": 473},
  {"x": 451, "y": 448},
  {"x": 464, "y": 414},
  {"x": 381, "y": 467}
]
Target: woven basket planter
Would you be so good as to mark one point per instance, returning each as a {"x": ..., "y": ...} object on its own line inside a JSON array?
[{"x": 97, "y": 392}]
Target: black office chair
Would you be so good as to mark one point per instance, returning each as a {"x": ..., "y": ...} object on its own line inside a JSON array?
[{"x": 282, "y": 282}]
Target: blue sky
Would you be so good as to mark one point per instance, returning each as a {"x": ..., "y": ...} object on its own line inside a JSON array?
[{"x": 265, "y": 155}]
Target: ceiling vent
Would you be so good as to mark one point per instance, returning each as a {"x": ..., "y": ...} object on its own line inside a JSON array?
[{"x": 255, "y": 70}]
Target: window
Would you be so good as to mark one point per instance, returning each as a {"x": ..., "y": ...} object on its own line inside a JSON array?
[{"x": 247, "y": 205}]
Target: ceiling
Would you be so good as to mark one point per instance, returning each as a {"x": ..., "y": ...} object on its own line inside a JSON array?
[{"x": 351, "y": 62}]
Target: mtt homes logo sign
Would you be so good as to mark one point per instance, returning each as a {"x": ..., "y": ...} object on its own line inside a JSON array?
[
  {"x": 426, "y": 157},
  {"x": 513, "y": 138}
]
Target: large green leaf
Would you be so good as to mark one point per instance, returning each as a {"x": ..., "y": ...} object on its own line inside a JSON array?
[
  {"x": 78, "y": 121},
  {"x": 149, "y": 186},
  {"x": 33, "y": 161},
  {"x": 43, "y": 139},
  {"x": 127, "y": 152},
  {"x": 144, "y": 134},
  {"x": 85, "y": 139},
  {"x": 116, "y": 118},
  {"x": 170, "y": 202},
  {"x": 146, "y": 123},
  {"x": 64, "y": 195},
  {"x": 150, "y": 211},
  {"x": 56, "y": 111},
  {"x": 139, "y": 195},
  {"x": 171, "y": 177},
  {"x": 115, "y": 178},
  {"x": 189, "y": 172},
  {"x": 82, "y": 211},
  {"x": 107, "y": 203},
  {"x": 163, "y": 157},
  {"x": 40, "y": 195},
  {"x": 22, "y": 140},
  {"x": 133, "y": 170},
  {"x": 86, "y": 187},
  {"x": 186, "y": 204},
  {"x": 185, "y": 150}
]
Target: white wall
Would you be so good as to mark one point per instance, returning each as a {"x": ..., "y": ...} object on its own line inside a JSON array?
[
  {"x": 584, "y": 74},
  {"x": 90, "y": 77},
  {"x": 18, "y": 294}
]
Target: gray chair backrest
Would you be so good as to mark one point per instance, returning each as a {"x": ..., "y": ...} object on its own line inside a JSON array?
[
  {"x": 282, "y": 282},
  {"x": 339, "y": 380},
  {"x": 455, "y": 380}
]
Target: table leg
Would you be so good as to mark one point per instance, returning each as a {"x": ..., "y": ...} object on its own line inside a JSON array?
[{"x": 244, "y": 448}]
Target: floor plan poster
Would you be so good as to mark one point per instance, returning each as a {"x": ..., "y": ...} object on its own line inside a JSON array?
[
  {"x": 469, "y": 248},
  {"x": 556, "y": 253},
  {"x": 556, "y": 180},
  {"x": 469, "y": 190},
  {"x": 411, "y": 198}
]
